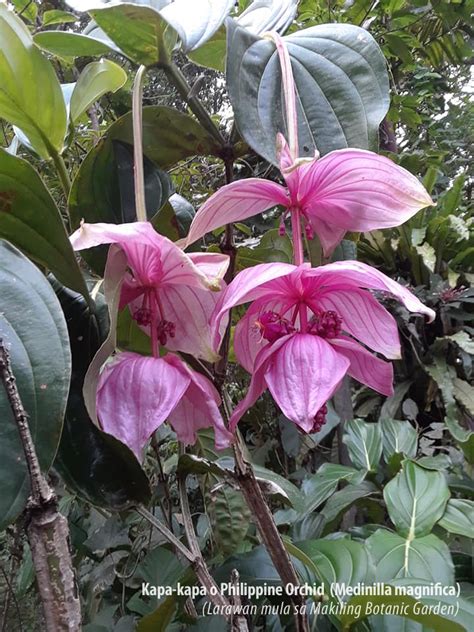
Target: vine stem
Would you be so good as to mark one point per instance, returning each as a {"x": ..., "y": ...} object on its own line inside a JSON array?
[
  {"x": 46, "y": 528},
  {"x": 137, "y": 118},
  {"x": 176, "y": 77}
]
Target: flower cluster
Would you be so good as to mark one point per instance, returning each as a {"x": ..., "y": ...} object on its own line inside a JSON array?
[{"x": 305, "y": 328}]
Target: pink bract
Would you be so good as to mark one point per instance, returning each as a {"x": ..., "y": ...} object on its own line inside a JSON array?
[
  {"x": 165, "y": 288},
  {"x": 346, "y": 190},
  {"x": 307, "y": 327},
  {"x": 136, "y": 394}
]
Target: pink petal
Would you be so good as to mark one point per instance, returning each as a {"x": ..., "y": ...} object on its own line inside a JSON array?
[
  {"x": 358, "y": 190},
  {"x": 153, "y": 258},
  {"x": 235, "y": 202},
  {"x": 246, "y": 287},
  {"x": 365, "y": 367},
  {"x": 257, "y": 383},
  {"x": 303, "y": 375},
  {"x": 329, "y": 234},
  {"x": 190, "y": 309},
  {"x": 213, "y": 264},
  {"x": 342, "y": 274},
  {"x": 135, "y": 395},
  {"x": 199, "y": 408},
  {"x": 248, "y": 340},
  {"x": 364, "y": 318}
]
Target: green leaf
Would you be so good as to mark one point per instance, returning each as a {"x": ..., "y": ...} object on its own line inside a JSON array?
[
  {"x": 272, "y": 247},
  {"x": 33, "y": 327},
  {"x": 104, "y": 191},
  {"x": 30, "y": 94},
  {"x": 30, "y": 219},
  {"x": 168, "y": 135},
  {"x": 364, "y": 443},
  {"x": 56, "y": 16},
  {"x": 97, "y": 78},
  {"x": 416, "y": 499},
  {"x": 340, "y": 561},
  {"x": 26, "y": 8},
  {"x": 93, "y": 464},
  {"x": 341, "y": 83},
  {"x": 212, "y": 54},
  {"x": 65, "y": 45},
  {"x": 459, "y": 517},
  {"x": 139, "y": 31},
  {"x": 229, "y": 516},
  {"x": 398, "y": 437},
  {"x": 421, "y": 558},
  {"x": 344, "y": 498},
  {"x": 320, "y": 486}
]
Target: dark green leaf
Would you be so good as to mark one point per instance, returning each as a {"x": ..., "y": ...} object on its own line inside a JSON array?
[
  {"x": 94, "y": 464},
  {"x": 104, "y": 191},
  {"x": 364, "y": 442},
  {"x": 416, "y": 499},
  {"x": 32, "y": 325},
  {"x": 399, "y": 437},
  {"x": 30, "y": 219},
  {"x": 421, "y": 558},
  {"x": 459, "y": 517},
  {"x": 341, "y": 83}
]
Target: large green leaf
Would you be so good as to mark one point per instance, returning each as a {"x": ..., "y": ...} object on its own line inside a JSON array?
[
  {"x": 341, "y": 561},
  {"x": 33, "y": 327},
  {"x": 320, "y": 486},
  {"x": 93, "y": 464},
  {"x": 97, "y": 78},
  {"x": 30, "y": 219},
  {"x": 139, "y": 31},
  {"x": 459, "y": 517},
  {"x": 416, "y": 499},
  {"x": 30, "y": 94},
  {"x": 341, "y": 83},
  {"x": 344, "y": 498},
  {"x": 168, "y": 135},
  {"x": 364, "y": 443},
  {"x": 104, "y": 191},
  {"x": 64, "y": 44},
  {"x": 398, "y": 437},
  {"x": 421, "y": 558}
]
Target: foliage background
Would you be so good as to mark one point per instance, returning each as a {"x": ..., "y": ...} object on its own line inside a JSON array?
[{"x": 326, "y": 487}]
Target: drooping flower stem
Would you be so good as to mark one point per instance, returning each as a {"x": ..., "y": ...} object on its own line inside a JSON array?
[
  {"x": 137, "y": 116},
  {"x": 298, "y": 253},
  {"x": 289, "y": 92}
]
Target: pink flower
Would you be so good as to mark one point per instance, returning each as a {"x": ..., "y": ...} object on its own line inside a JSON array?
[
  {"x": 348, "y": 189},
  {"x": 166, "y": 289},
  {"x": 306, "y": 328},
  {"x": 136, "y": 394}
]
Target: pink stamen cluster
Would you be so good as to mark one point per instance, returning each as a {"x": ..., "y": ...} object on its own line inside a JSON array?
[
  {"x": 148, "y": 315},
  {"x": 273, "y": 326},
  {"x": 325, "y": 325},
  {"x": 320, "y": 419},
  {"x": 165, "y": 328}
]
